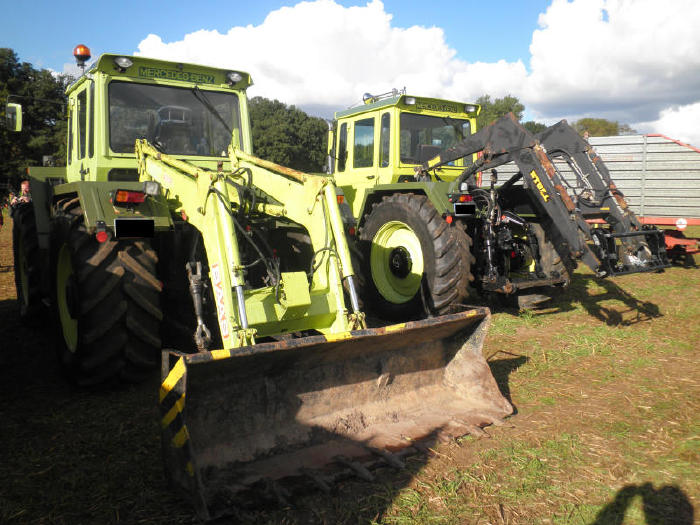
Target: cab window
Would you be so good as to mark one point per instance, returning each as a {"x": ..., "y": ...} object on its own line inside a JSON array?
[
  {"x": 384, "y": 141},
  {"x": 342, "y": 147},
  {"x": 363, "y": 151},
  {"x": 82, "y": 124},
  {"x": 91, "y": 139},
  {"x": 69, "y": 153}
]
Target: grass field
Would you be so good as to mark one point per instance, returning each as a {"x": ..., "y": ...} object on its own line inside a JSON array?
[{"x": 607, "y": 430}]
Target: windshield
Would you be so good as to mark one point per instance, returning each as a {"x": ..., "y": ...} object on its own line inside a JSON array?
[
  {"x": 424, "y": 137},
  {"x": 171, "y": 118}
]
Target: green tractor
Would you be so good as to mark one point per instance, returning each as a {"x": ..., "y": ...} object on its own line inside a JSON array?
[
  {"x": 430, "y": 231},
  {"x": 165, "y": 241},
  {"x": 409, "y": 256}
]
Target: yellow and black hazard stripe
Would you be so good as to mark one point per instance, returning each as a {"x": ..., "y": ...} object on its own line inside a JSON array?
[{"x": 172, "y": 406}]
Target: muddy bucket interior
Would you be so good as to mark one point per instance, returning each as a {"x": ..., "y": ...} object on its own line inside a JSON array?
[{"x": 313, "y": 408}]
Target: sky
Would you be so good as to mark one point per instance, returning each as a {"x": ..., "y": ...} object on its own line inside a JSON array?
[{"x": 632, "y": 61}]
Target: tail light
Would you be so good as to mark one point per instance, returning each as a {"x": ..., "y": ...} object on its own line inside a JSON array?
[{"x": 128, "y": 197}]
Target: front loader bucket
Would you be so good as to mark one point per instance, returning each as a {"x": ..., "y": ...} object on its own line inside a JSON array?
[{"x": 273, "y": 417}]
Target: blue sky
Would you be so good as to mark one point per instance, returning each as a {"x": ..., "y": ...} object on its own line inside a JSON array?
[
  {"x": 633, "y": 61},
  {"x": 44, "y": 33}
]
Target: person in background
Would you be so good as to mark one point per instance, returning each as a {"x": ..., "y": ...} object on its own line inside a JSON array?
[{"x": 24, "y": 194}]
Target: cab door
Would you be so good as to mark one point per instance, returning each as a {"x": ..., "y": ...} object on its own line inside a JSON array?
[
  {"x": 357, "y": 159},
  {"x": 81, "y": 143}
]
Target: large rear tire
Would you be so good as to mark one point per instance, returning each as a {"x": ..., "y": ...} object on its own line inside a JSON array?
[
  {"x": 27, "y": 261},
  {"x": 553, "y": 264},
  {"x": 413, "y": 260},
  {"x": 106, "y": 303}
]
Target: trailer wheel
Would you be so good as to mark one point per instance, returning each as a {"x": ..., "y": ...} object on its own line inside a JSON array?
[
  {"x": 106, "y": 303},
  {"x": 27, "y": 263},
  {"x": 413, "y": 260}
]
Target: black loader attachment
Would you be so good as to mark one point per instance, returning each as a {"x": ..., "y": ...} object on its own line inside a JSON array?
[
  {"x": 553, "y": 220},
  {"x": 597, "y": 197}
]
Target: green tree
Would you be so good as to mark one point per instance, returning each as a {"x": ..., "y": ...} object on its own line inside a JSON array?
[
  {"x": 493, "y": 110},
  {"x": 288, "y": 136},
  {"x": 600, "y": 127},
  {"x": 534, "y": 127},
  {"x": 43, "y": 122}
]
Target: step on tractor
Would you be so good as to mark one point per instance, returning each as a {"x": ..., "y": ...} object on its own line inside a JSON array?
[
  {"x": 429, "y": 231},
  {"x": 165, "y": 240}
]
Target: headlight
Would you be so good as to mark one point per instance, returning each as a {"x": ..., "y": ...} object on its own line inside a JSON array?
[
  {"x": 234, "y": 77},
  {"x": 123, "y": 63},
  {"x": 151, "y": 187},
  {"x": 469, "y": 108},
  {"x": 410, "y": 101}
]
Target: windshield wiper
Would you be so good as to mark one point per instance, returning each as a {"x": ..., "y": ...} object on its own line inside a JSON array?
[{"x": 199, "y": 95}]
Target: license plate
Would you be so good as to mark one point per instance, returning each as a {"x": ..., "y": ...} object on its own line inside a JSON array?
[
  {"x": 464, "y": 208},
  {"x": 126, "y": 228}
]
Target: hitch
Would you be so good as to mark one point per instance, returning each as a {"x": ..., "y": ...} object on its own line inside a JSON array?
[
  {"x": 649, "y": 257},
  {"x": 202, "y": 335}
]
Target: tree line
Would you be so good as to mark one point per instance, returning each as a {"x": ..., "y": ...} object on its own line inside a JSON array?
[
  {"x": 281, "y": 133},
  {"x": 43, "y": 99}
]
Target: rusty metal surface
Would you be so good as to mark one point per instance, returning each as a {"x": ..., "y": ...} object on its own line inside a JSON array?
[{"x": 314, "y": 409}]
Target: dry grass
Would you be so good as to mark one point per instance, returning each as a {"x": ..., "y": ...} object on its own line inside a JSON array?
[{"x": 607, "y": 430}]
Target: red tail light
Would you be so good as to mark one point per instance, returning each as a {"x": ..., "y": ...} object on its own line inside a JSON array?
[
  {"x": 128, "y": 197},
  {"x": 465, "y": 198}
]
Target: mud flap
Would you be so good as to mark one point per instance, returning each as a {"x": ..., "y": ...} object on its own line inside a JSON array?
[{"x": 301, "y": 410}]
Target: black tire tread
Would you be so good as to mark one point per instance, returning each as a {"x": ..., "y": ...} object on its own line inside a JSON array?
[
  {"x": 550, "y": 259},
  {"x": 119, "y": 311},
  {"x": 24, "y": 234},
  {"x": 446, "y": 250}
]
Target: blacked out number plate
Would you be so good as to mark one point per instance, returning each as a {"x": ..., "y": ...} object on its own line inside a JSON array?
[
  {"x": 126, "y": 228},
  {"x": 464, "y": 208}
]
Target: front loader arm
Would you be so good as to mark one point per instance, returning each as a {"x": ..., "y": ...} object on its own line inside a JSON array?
[
  {"x": 213, "y": 202},
  {"x": 506, "y": 140},
  {"x": 203, "y": 196},
  {"x": 309, "y": 200},
  {"x": 597, "y": 197}
]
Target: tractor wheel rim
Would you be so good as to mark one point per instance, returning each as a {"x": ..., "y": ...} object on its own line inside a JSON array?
[
  {"x": 23, "y": 274},
  {"x": 396, "y": 259},
  {"x": 64, "y": 278}
]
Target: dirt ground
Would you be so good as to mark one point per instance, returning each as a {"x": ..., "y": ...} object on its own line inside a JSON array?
[{"x": 604, "y": 380}]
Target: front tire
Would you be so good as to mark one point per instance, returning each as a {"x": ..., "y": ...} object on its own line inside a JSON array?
[
  {"x": 414, "y": 262},
  {"x": 106, "y": 302},
  {"x": 27, "y": 261}
]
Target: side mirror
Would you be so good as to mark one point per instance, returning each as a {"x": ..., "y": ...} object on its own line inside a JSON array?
[{"x": 13, "y": 117}]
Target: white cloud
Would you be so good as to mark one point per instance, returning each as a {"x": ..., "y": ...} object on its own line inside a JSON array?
[
  {"x": 323, "y": 53},
  {"x": 622, "y": 59},
  {"x": 680, "y": 122},
  {"x": 626, "y": 60}
]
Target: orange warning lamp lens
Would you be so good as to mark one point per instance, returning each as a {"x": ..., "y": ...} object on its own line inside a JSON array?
[{"x": 81, "y": 53}]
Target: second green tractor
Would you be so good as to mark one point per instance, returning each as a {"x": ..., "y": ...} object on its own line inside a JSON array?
[{"x": 430, "y": 231}]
